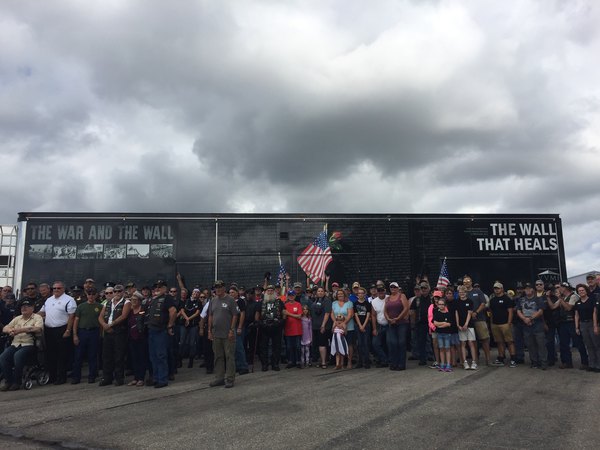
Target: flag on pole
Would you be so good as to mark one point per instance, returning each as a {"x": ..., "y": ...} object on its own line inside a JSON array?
[
  {"x": 281, "y": 275},
  {"x": 444, "y": 278},
  {"x": 315, "y": 258}
]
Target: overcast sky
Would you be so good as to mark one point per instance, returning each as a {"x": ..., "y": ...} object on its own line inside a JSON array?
[{"x": 298, "y": 106}]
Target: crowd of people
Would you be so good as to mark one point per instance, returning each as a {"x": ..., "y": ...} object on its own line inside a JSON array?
[{"x": 148, "y": 333}]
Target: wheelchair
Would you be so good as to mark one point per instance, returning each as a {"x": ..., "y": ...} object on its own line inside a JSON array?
[{"x": 34, "y": 370}]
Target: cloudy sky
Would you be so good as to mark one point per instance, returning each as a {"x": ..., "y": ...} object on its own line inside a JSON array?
[{"x": 299, "y": 106}]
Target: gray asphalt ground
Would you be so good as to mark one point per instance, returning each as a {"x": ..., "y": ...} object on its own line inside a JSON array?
[{"x": 316, "y": 408}]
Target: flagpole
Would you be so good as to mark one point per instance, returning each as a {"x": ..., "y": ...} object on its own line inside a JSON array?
[
  {"x": 325, "y": 230},
  {"x": 281, "y": 279}
]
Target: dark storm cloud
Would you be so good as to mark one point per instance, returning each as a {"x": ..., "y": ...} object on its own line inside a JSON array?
[{"x": 325, "y": 106}]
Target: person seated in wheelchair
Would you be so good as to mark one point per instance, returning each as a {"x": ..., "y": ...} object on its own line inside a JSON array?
[{"x": 23, "y": 330}]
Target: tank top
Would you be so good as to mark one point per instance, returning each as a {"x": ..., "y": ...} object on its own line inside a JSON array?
[{"x": 394, "y": 308}]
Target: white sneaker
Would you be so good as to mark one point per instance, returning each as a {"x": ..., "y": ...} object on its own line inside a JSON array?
[
  {"x": 466, "y": 364},
  {"x": 473, "y": 365}
]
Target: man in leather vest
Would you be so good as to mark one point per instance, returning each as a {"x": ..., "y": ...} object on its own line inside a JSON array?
[
  {"x": 160, "y": 314},
  {"x": 113, "y": 320},
  {"x": 270, "y": 318}
]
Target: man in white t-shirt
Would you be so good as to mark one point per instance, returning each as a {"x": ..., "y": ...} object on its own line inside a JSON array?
[
  {"x": 59, "y": 313},
  {"x": 379, "y": 326}
]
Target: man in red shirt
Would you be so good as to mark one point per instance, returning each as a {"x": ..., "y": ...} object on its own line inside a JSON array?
[{"x": 292, "y": 329}]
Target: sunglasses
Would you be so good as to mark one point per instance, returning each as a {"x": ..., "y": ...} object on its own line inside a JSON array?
[
  {"x": 109, "y": 292},
  {"x": 174, "y": 292},
  {"x": 57, "y": 288},
  {"x": 118, "y": 290}
]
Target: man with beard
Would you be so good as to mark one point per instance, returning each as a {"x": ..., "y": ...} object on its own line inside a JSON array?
[
  {"x": 270, "y": 319},
  {"x": 531, "y": 311}
]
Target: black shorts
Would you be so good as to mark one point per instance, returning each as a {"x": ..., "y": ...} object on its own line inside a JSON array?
[{"x": 323, "y": 338}]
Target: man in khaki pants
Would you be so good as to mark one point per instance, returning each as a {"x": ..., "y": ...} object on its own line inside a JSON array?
[{"x": 222, "y": 318}]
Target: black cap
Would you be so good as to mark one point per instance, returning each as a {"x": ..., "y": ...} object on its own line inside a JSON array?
[
  {"x": 160, "y": 283},
  {"x": 590, "y": 276},
  {"x": 528, "y": 285},
  {"x": 109, "y": 284},
  {"x": 567, "y": 285},
  {"x": 76, "y": 288},
  {"x": 26, "y": 302},
  {"x": 130, "y": 284},
  {"x": 258, "y": 288},
  {"x": 91, "y": 291}
]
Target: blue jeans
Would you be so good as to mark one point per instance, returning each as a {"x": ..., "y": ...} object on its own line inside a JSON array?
[
  {"x": 158, "y": 342},
  {"x": 396, "y": 341},
  {"x": 138, "y": 349},
  {"x": 550, "y": 344},
  {"x": 292, "y": 344},
  {"x": 13, "y": 360},
  {"x": 566, "y": 334},
  {"x": 378, "y": 343},
  {"x": 422, "y": 330},
  {"x": 363, "y": 345},
  {"x": 240, "y": 351},
  {"x": 187, "y": 341},
  {"x": 519, "y": 339},
  {"x": 89, "y": 342}
]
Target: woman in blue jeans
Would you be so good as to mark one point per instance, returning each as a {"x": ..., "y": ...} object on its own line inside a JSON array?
[{"x": 396, "y": 311}]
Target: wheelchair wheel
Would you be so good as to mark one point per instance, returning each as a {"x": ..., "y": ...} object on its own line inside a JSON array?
[
  {"x": 43, "y": 378},
  {"x": 28, "y": 384}
]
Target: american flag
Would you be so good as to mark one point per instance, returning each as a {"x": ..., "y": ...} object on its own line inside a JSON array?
[
  {"x": 315, "y": 258},
  {"x": 444, "y": 279},
  {"x": 281, "y": 278}
]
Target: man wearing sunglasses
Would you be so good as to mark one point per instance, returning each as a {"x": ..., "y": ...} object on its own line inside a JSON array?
[
  {"x": 30, "y": 293},
  {"x": 59, "y": 313}
]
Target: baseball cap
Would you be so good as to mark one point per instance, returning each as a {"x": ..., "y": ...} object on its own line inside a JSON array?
[
  {"x": 335, "y": 283},
  {"x": 355, "y": 284},
  {"x": 26, "y": 303},
  {"x": 590, "y": 276},
  {"x": 567, "y": 285},
  {"x": 270, "y": 287},
  {"x": 497, "y": 284},
  {"x": 89, "y": 280},
  {"x": 297, "y": 284},
  {"x": 160, "y": 283},
  {"x": 438, "y": 294},
  {"x": 219, "y": 284},
  {"x": 291, "y": 293},
  {"x": 394, "y": 284},
  {"x": 527, "y": 285},
  {"x": 424, "y": 284},
  {"x": 130, "y": 284}
]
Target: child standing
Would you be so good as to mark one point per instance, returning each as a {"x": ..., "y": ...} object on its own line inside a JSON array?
[
  {"x": 442, "y": 320},
  {"x": 339, "y": 346},
  {"x": 306, "y": 340}
]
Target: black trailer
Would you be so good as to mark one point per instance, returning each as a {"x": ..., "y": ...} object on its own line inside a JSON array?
[{"x": 122, "y": 247}]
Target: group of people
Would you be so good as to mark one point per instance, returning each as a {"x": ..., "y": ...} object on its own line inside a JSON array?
[{"x": 119, "y": 329}]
